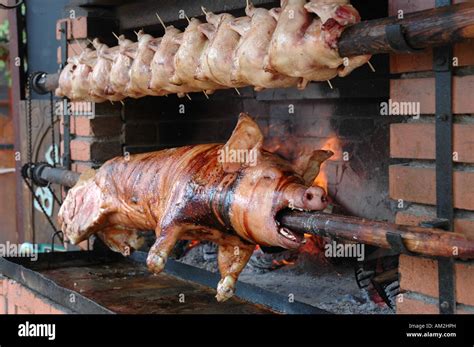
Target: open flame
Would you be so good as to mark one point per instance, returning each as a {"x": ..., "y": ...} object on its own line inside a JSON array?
[{"x": 333, "y": 144}]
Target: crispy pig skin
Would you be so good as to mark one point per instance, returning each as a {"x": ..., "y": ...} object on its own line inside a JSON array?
[{"x": 197, "y": 193}]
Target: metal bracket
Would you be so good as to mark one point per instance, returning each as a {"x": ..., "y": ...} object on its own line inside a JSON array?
[
  {"x": 396, "y": 243},
  {"x": 397, "y": 40},
  {"x": 444, "y": 165},
  {"x": 66, "y": 114},
  {"x": 438, "y": 223}
]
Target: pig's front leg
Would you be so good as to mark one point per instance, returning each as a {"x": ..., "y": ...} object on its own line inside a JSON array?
[
  {"x": 232, "y": 258},
  {"x": 166, "y": 239}
]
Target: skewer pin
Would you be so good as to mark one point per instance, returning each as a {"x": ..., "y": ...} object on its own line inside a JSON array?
[
  {"x": 136, "y": 33},
  {"x": 121, "y": 101},
  {"x": 330, "y": 84},
  {"x": 118, "y": 38},
  {"x": 205, "y": 94},
  {"x": 238, "y": 92},
  {"x": 203, "y": 9},
  {"x": 187, "y": 18},
  {"x": 73, "y": 49},
  {"x": 161, "y": 21},
  {"x": 79, "y": 45},
  {"x": 189, "y": 97},
  {"x": 89, "y": 40},
  {"x": 371, "y": 66}
]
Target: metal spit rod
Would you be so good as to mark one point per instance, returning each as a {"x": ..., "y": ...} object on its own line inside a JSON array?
[{"x": 403, "y": 239}]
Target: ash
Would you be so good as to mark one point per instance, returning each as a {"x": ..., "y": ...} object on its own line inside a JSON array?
[{"x": 306, "y": 274}]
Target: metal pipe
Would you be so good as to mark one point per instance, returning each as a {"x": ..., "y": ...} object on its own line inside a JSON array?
[
  {"x": 408, "y": 239},
  {"x": 59, "y": 176},
  {"x": 43, "y": 83},
  {"x": 423, "y": 29},
  {"x": 417, "y": 240},
  {"x": 43, "y": 174}
]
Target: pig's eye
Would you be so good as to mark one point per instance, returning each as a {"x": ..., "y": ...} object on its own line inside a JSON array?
[{"x": 271, "y": 174}]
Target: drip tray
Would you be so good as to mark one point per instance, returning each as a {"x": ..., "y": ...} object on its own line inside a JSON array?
[{"x": 92, "y": 282}]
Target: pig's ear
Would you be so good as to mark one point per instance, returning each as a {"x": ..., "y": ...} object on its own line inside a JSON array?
[
  {"x": 314, "y": 165},
  {"x": 246, "y": 136}
]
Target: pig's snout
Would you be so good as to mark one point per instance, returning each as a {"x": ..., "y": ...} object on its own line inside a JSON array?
[
  {"x": 315, "y": 199},
  {"x": 310, "y": 199}
]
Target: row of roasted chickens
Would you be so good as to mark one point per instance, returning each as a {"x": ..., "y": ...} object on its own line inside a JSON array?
[{"x": 283, "y": 47}]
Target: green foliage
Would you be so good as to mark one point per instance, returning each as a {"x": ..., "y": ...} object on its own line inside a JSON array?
[{"x": 4, "y": 39}]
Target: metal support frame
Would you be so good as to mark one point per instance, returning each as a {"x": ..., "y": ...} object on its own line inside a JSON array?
[
  {"x": 397, "y": 39},
  {"x": 443, "y": 57},
  {"x": 66, "y": 114}
]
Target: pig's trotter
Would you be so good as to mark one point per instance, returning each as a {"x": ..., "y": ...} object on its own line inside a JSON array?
[
  {"x": 156, "y": 261},
  {"x": 164, "y": 244},
  {"x": 232, "y": 258},
  {"x": 225, "y": 288}
]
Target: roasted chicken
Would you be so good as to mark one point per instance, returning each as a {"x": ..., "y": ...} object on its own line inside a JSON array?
[{"x": 282, "y": 47}]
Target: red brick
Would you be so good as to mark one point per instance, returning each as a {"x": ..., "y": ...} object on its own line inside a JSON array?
[
  {"x": 422, "y": 90},
  {"x": 413, "y": 306},
  {"x": 89, "y": 149},
  {"x": 59, "y": 25},
  {"x": 7, "y": 158},
  {"x": 419, "y": 275},
  {"x": 461, "y": 225},
  {"x": 76, "y": 47},
  {"x": 417, "y": 141},
  {"x": 77, "y": 28},
  {"x": 418, "y": 184},
  {"x": 97, "y": 127},
  {"x": 81, "y": 167},
  {"x": 7, "y": 133},
  {"x": 465, "y": 283},
  {"x": 3, "y": 304},
  {"x": 21, "y": 300},
  {"x": 81, "y": 149},
  {"x": 400, "y": 63}
]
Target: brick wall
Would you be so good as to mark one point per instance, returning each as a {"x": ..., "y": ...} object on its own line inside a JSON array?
[
  {"x": 412, "y": 178},
  {"x": 17, "y": 299},
  {"x": 97, "y": 139}
]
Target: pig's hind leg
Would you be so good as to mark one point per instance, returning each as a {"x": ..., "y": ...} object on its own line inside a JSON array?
[
  {"x": 232, "y": 257},
  {"x": 121, "y": 240},
  {"x": 166, "y": 239}
]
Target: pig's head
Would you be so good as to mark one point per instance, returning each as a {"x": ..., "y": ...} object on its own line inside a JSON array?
[{"x": 265, "y": 185}]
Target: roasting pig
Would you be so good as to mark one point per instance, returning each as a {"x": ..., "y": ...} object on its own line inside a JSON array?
[{"x": 210, "y": 192}]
